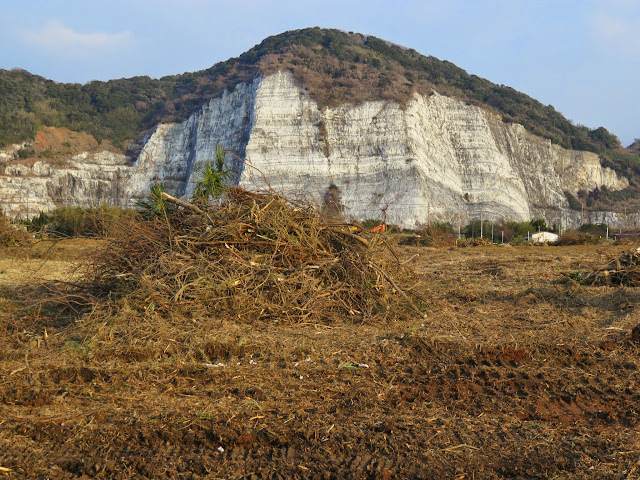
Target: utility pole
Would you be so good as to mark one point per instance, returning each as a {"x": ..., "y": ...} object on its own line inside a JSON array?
[{"x": 481, "y": 222}]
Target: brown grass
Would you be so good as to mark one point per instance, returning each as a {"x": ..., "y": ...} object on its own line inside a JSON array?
[
  {"x": 331, "y": 81},
  {"x": 516, "y": 371}
]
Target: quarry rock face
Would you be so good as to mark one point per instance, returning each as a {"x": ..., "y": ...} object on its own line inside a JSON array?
[
  {"x": 435, "y": 158},
  {"x": 26, "y": 189}
]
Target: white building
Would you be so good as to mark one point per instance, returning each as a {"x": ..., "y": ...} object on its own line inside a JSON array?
[{"x": 544, "y": 237}]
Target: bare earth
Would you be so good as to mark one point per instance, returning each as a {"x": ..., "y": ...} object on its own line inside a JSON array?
[{"x": 517, "y": 372}]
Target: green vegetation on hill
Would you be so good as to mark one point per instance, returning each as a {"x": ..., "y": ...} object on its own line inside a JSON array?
[
  {"x": 115, "y": 110},
  {"x": 333, "y": 66}
]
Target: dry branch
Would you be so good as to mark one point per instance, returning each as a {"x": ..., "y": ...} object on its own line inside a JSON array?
[
  {"x": 622, "y": 270},
  {"x": 253, "y": 256},
  {"x": 187, "y": 205}
]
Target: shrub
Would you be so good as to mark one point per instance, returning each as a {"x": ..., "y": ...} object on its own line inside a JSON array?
[
  {"x": 539, "y": 225},
  {"x": 78, "y": 221},
  {"x": 10, "y": 236},
  {"x": 437, "y": 234},
  {"x": 574, "y": 203},
  {"x": 595, "y": 229},
  {"x": 576, "y": 237},
  {"x": 517, "y": 240},
  {"x": 26, "y": 153},
  {"x": 214, "y": 180},
  {"x": 473, "y": 229},
  {"x": 370, "y": 223}
]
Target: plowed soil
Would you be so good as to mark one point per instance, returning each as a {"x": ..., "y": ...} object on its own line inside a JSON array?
[{"x": 516, "y": 372}]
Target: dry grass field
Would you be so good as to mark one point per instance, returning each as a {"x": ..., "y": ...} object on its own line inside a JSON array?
[{"x": 516, "y": 371}]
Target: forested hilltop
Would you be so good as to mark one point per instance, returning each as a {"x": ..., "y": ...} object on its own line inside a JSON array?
[{"x": 334, "y": 66}]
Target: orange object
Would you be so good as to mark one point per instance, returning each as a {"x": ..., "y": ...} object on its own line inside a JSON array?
[{"x": 380, "y": 228}]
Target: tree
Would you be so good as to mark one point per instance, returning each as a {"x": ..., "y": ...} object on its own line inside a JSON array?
[
  {"x": 155, "y": 204},
  {"x": 539, "y": 224},
  {"x": 214, "y": 180}
]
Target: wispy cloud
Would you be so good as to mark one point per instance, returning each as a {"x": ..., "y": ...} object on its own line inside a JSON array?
[
  {"x": 618, "y": 30},
  {"x": 56, "y": 37}
]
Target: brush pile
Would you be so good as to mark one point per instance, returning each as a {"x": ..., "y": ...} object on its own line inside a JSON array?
[
  {"x": 252, "y": 257},
  {"x": 623, "y": 270},
  {"x": 475, "y": 242}
]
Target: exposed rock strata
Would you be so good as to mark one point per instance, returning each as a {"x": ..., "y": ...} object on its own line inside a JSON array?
[
  {"x": 85, "y": 179},
  {"x": 435, "y": 158}
]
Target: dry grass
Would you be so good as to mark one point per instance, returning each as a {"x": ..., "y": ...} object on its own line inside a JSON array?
[
  {"x": 516, "y": 369},
  {"x": 619, "y": 270}
]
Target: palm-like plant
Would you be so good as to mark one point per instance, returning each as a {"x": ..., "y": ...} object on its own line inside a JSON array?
[
  {"x": 214, "y": 180},
  {"x": 155, "y": 204}
]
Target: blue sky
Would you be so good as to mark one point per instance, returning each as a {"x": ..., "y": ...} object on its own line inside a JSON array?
[{"x": 581, "y": 56}]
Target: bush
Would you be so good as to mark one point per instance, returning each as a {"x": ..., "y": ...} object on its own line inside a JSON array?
[
  {"x": 78, "y": 221},
  {"x": 574, "y": 203},
  {"x": 370, "y": 223},
  {"x": 522, "y": 229},
  {"x": 539, "y": 225},
  {"x": 10, "y": 236},
  {"x": 26, "y": 153},
  {"x": 576, "y": 237},
  {"x": 595, "y": 229},
  {"x": 473, "y": 229},
  {"x": 517, "y": 240},
  {"x": 436, "y": 234}
]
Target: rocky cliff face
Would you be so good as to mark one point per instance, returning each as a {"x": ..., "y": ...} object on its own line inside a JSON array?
[
  {"x": 28, "y": 188},
  {"x": 435, "y": 158}
]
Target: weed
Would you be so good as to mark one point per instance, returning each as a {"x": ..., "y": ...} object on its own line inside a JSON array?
[
  {"x": 347, "y": 366},
  {"x": 77, "y": 345},
  {"x": 206, "y": 416}
]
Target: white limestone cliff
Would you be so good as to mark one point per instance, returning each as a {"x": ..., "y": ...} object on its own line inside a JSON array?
[
  {"x": 27, "y": 189},
  {"x": 436, "y": 158}
]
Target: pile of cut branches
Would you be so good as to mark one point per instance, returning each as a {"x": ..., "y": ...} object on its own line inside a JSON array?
[
  {"x": 252, "y": 257},
  {"x": 475, "y": 242},
  {"x": 622, "y": 270}
]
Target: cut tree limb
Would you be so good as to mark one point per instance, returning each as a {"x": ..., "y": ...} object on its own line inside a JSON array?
[{"x": 187, "y": 205}]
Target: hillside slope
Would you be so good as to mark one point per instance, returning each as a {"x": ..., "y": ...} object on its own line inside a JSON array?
[
  {"x": 431, "y": 158},
  {"x": 334, "y": 67}
]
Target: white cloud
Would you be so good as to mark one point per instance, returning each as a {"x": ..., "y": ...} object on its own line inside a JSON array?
[
  {"x": 618, "y": 32},
  {"x": 56, "y": 37}
]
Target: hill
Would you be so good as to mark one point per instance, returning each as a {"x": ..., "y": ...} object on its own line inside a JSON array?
[{"x": 334, "y": 67}]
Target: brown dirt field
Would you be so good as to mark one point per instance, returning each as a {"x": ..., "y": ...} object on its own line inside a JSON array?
[{"x": 516, "y": 373}]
